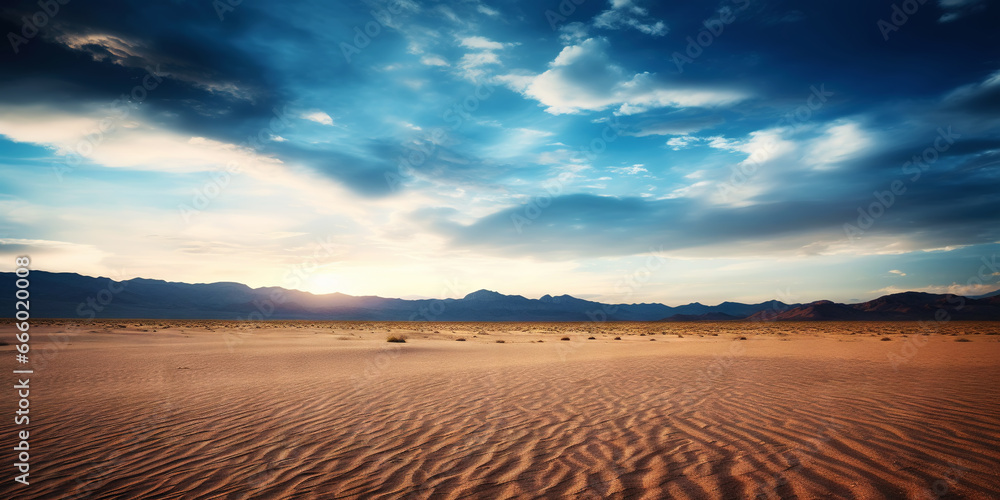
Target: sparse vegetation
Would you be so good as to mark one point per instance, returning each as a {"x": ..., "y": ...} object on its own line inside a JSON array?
[
  {"x": 743, "y": 338},
  {"x": 618, "y": 338},
  {"x": 963, "y": 340},
  {"x": 564, "y": 338},
  {"x": 885, "y": 339},
  {"x": 591, "y": 338},
  {"x": 460, "y": 339},
  {"x": 500, "y": 341},
  {"x": 400, "y": 339}
]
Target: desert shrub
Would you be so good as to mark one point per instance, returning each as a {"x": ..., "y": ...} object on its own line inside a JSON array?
[
  {"x": 743, "y": 338},
  {"x": 500, "y": 341},
  {"x": 564, "y": 338},
  {"x": 460, "y": 339},
  {"x": 653, "y": 339},
  {"x": 618, "y": 338},
  {"x": 396, "y": 338},
  {"x": 885, "y": 339},
  {"x": 680, "y": 336},
  {"x": 962, "y": 340},
  {"x": 642, "y": 334},
  {"x": 591, "y": 338}
]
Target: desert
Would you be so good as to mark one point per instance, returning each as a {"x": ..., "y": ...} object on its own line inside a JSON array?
[{"x": 301, "y": 409}]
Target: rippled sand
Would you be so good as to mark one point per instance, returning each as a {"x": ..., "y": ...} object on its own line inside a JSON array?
[{"x": 330, "y": 410}]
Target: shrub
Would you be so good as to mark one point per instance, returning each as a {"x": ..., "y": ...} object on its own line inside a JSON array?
[
  {"x": 500, "y": 341},
  {"x": 885, "y": 339},
  {"x": 591, "y": 338},
  {"x": 743, "y": 338},
  {"x": 962, "y": 340},
  {"x": 653, "y": 339},
  {"x": 618, "y": 338},
  {"x": 396, "y": 338},
  {"x": 460, "y": 339},
  {"x": 564, "y": 338}
]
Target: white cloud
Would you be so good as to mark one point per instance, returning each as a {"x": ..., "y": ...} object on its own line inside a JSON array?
[
  {"x": 318, "y": 117},
  {"x": 489, "y": 11},
  {"x": 584, "y": 78},
  {"x": 122, "y": 144},
  {"x": 478, "y": 42},
  {"x": 433, "y": 60},
  {"x": 840, "y": 141},
  {"x": 760, "y": 146},
  {"x": 573, "y": 32},
  {"x": 624, "y": 13},
  {"x": 472, "y": 64},
  {"x": 682, "y": 142},
  {"x": 633, "y": 170},
  {"x": 897, "y": 272}
]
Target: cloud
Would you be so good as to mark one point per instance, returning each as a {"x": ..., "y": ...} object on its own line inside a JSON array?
[
  {"x": 976, "y": 98},
  {"x": 956, "y": 9},
  {"x": 433, "y": 60},
  {"x": 624, "y": 13},
  {"x": 952, "y": 289},
  {"x": 472, "y": 64},
  {"x": 134, "y": 53},
  {"x": 840, "y": 141},
  {"x": 132, "y": 144},
  {"x": 489, "y": 11},
  {"x": 675, "y": 126},
  {"x": 573, "y": 32},
  {"x": 683, "y": 142},
  {"x": 586, "y": 225},
  {"x": 633, "y": 170},
  {"x": 897, "y": 272},
  {"x": 584, "y": 78},
  {"x": 478, "y": 42},
  {"x": 318, "y": 117}
]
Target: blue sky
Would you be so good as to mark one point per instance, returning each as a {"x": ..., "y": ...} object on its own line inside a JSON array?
[{"x": 624, "y": 151}]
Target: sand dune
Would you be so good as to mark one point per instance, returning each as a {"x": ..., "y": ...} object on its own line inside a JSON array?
[{"x": 317, "y": 410}]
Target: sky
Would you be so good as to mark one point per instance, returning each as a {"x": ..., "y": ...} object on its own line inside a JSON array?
[{"x": 623, "y": 151}]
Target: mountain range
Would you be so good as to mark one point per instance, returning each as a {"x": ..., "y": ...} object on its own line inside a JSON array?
[{"x": 70, "y": 295}]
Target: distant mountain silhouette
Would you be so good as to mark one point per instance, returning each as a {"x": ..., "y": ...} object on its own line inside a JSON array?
[
  {"x": 70, "y": 295},
  {"x": 714, "y": 316},
  {"x": 895, "y": 307}
]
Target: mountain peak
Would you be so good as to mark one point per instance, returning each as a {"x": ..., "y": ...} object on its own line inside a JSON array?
[{"x": 483, "y": 295}]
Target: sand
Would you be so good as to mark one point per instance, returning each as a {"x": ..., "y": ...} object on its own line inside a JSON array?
[{"x": 331, "y": 410}]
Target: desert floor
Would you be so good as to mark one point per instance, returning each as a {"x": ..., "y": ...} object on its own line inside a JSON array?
[{"x": 212, "y": 409}]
